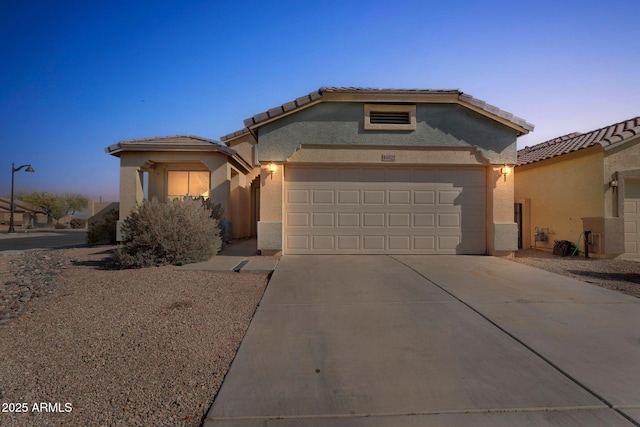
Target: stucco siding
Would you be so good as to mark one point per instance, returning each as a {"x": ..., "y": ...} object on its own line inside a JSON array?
[
  {"x": 438, "y": 125},
  {"x": 562, "y": 191}
]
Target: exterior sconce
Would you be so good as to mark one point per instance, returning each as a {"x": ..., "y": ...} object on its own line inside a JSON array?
[
  {"x": 505, "y": 170},
  {"x": 613, "y": 183},
  {"x": 272, "y": 168}
]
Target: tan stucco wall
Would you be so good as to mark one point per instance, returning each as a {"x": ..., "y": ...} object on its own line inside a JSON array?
[
  {"x": 562, "y": 191},
  {"x": 243, "y": 145},
  {"x": 271, "y": 196},
  {"x": 502, "y": 231}
]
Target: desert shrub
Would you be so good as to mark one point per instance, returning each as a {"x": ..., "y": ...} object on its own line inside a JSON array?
[
  {"x": 103, "y": 231},
  {"x": 59, "y": 226},
  {"x": 76, "y": 223},
  {"x": 174, "y": 232},
  {"x": 216, "y": 211}
]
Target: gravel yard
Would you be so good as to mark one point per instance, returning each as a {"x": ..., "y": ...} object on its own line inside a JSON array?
[
  {"x": 99, "y": 346},
  {"x": 83, "y": 344},
  {"x": 616, "y": 274}
]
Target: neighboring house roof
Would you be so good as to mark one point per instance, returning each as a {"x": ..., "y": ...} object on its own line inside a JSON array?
[
  {"x": 607, "y": 137},
  {"x": 356, "y": 94},
  {"x": 5, "y": 205}
]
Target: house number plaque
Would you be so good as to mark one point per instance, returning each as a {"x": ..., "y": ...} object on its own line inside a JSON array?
[{"x": 388, "y": 157}]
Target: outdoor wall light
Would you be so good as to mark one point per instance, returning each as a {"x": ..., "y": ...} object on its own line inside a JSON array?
[
  {"x": 12, "y": 207},
  {"x": 505, "y": 170},
  {"x": 272, "y": 168},
  {"x": 613, "y": 183}
]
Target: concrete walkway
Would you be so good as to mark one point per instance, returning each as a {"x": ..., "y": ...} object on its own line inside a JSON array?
[
  {"x": 238, "y": 256},
  {"x": 445, "y": 340}
]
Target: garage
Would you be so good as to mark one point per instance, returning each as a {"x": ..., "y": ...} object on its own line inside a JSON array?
[
  {"x": 632, "y": 218},
  {"x": 391, "y": 210}
]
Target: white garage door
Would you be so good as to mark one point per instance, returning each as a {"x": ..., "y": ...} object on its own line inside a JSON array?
[
  {"x": 370, "y": 210},
  {"x": 632, "y": 218}
]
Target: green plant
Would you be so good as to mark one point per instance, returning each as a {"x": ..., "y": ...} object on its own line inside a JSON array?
[
  {"x": 102, "y": 231},
  {"x": 174, "y": 232},
  {"x": 77, "y": 223}
]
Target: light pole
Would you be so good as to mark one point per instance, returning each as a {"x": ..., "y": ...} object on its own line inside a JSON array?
[{"x": 12, "y": 205}]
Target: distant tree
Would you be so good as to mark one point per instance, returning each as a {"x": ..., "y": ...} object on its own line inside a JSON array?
[
  {"x": 55, "y": 206},
  {"x": 75, "y": 202}
]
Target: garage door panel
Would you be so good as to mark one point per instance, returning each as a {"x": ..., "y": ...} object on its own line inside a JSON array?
[
  {"x": 298, "y": 197},
  {"x": 422, "y": 197},
  {"x": 399, "y": 197},
  {"x": 323, "y": 219},
  {"x": 424, "y": 220},
  {"x": 348, "y": 197},
  {"x": 413, "y": 210},
  {"x": 373, "y": 220},
  {"x": 297, "y": 219},
  {"x": 448, "y": 197},
  {"x": 371, "y": 197},
  {"x": 399, "y": 220},
  {"x": 323, "y": 243},
  {"x": 400, "y": 243}
]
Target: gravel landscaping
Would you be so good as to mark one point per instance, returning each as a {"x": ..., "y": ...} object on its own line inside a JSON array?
[
  {"x": 83, "y": 344},
  {"x": 618, "y": 274}
]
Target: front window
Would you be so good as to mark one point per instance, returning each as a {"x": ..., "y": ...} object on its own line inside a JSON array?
[{"x": 187, "y": 183}]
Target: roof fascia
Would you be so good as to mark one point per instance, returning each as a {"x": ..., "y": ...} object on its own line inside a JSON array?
[{"x": 520, "y": 129}]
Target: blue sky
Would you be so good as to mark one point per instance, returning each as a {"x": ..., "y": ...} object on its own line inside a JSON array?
[{"x": 78, "y": 76}]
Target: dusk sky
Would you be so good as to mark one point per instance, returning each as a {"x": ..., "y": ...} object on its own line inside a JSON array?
[{"x": 78, "y": 76}]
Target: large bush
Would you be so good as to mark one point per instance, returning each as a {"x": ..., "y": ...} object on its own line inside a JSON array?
[
  {"x": 175, "y": 232},
  {"x": 102, "y": 231}
]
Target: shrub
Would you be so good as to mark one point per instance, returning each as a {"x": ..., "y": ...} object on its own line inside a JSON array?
[
  {"x": 59, "y": 226},
  {"x": 77, "y": 223},
  {"x": 175, "y": 232},
  {"x": 103, "y": 230},
  {"x": 216, "y": 212}
]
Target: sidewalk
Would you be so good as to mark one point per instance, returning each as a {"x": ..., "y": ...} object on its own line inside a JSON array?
[{"x": 239, "y": 256}]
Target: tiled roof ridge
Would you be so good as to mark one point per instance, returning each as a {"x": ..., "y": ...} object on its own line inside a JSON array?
[
  {"x": 605, "y": 136},
  {"x": 155, "y": 138},
  {"x": 315, "y": 95}
]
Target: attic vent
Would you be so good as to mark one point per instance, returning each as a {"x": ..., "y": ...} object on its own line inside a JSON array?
[{"x": 389, "y": 117}]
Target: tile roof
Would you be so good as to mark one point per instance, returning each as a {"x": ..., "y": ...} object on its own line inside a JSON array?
[
  {"x": 180, "y": 142},
  {"x": 606, "y": 137},
  {"x": 312, "y": 97}
]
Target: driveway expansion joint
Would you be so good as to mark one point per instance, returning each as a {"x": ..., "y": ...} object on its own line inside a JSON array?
[{"x": 521, "y": 342}]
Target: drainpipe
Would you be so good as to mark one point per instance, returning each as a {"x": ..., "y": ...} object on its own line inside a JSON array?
[{"x": 587, "y": 242}]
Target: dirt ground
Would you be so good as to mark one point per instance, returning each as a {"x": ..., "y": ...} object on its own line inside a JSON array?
[{"x": 618, "y": 274}]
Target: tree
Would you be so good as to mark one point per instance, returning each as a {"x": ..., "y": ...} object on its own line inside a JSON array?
[
  {"x": 55, "y": 206},
  {"x": 75, "y": 202}
]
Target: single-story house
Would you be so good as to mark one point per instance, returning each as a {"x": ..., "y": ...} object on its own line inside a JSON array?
[
  {"x": 582, "y": 182},
  {"x": 25, "y": 214},
  {"x": 351, "y": 171}
]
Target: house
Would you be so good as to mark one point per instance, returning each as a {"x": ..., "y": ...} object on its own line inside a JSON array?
[
  {"x": 351, "y": 171},
  {"x": 583, "y": 182},
  {"x": 24, "y": 214}
]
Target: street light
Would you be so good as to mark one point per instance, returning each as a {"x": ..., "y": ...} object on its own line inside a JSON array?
[{"x": 12, "y": 206}]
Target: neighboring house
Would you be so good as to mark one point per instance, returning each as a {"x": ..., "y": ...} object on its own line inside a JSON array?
[
  {"x": 349, "y": 170},
  {"x": 581, "y": 182},
  {"x": 25, "y": 214}
]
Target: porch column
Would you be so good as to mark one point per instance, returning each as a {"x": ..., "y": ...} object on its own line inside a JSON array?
[
  {"x": 220, "y": 180},
  {"x": 131, "y": 191}
]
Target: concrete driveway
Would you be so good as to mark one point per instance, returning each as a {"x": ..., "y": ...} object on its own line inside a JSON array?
[{"x": 436, "y": 341}]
